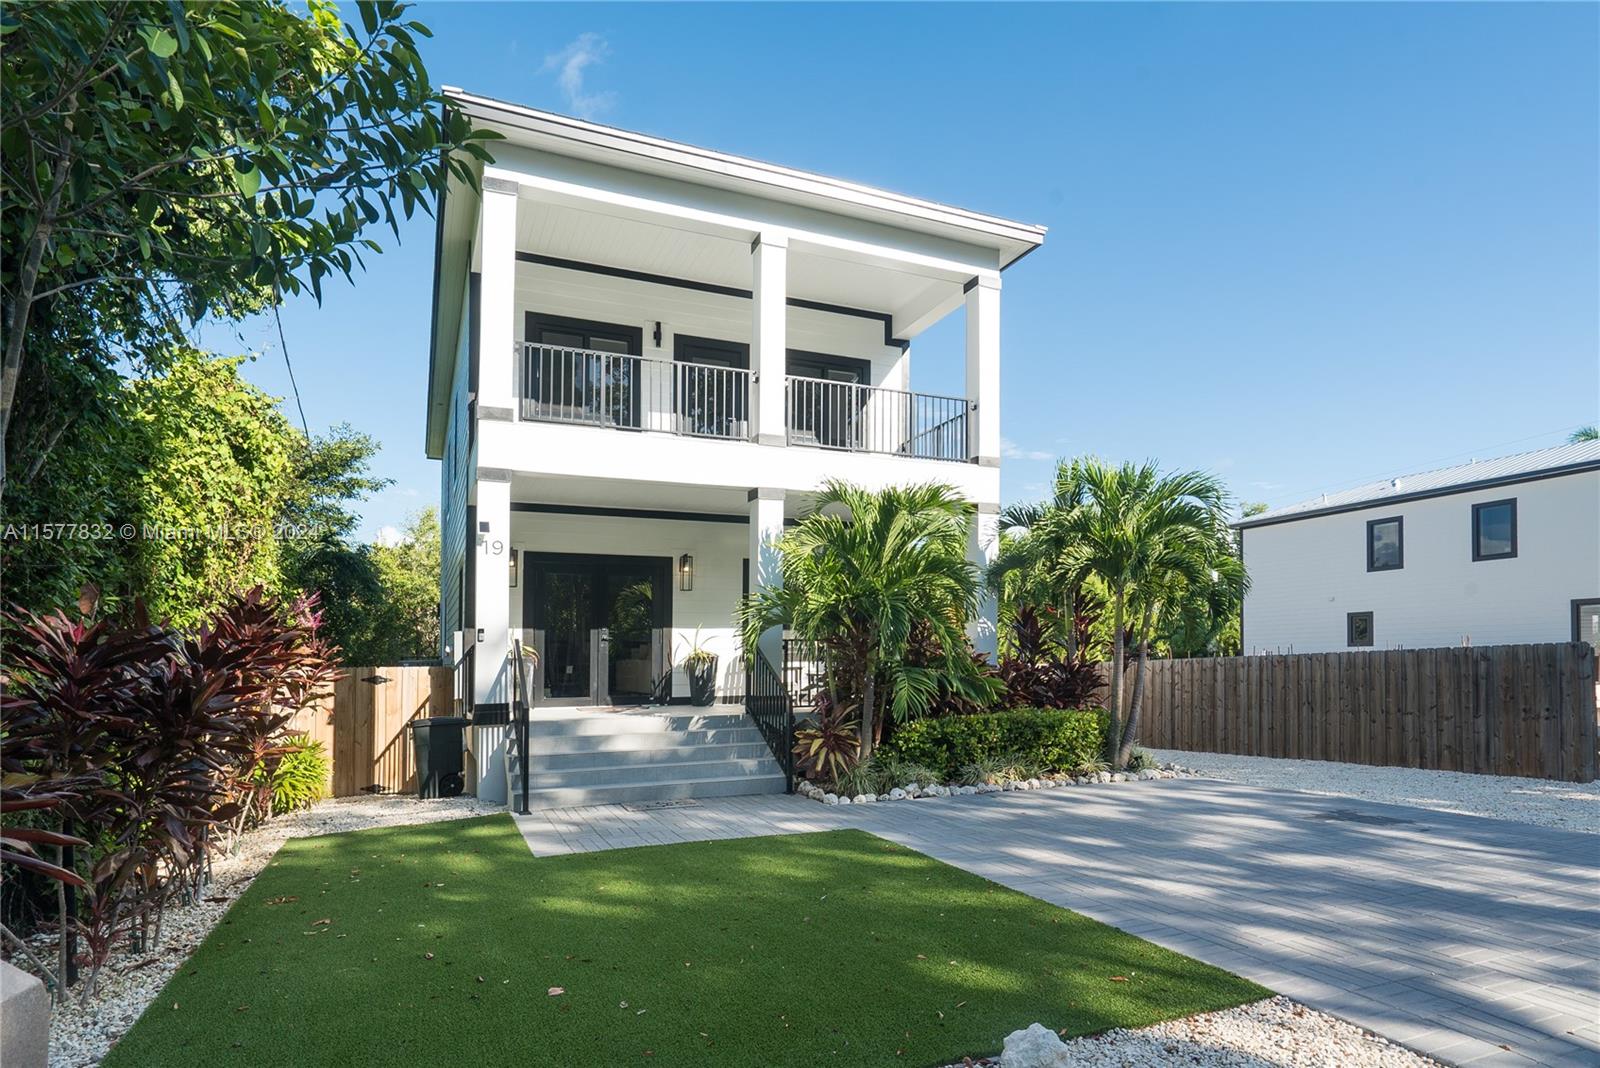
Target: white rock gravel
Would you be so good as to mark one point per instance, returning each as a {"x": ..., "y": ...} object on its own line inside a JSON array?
[
  {"x": 912, "y": 790},
  {"x": 1566, "y": 806},
  {"x": 80, "y": 1035},
  {"x": 1276, "y": 1033}
]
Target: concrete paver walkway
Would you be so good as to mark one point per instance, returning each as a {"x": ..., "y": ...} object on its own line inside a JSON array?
[{"x": 1474, "y": 941}]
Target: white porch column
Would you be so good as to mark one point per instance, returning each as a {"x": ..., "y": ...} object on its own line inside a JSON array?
[
  {"x": 766, "y": 527},
  {"x": 489, "y": 629},
  {"x": 983, "y": 368},
  {"x": 769, "y": 256},
  {"x": 983, "y": 545},
  {"x": 497, "y": 322}
]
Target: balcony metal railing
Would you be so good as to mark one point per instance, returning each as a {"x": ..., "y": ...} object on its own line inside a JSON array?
[
  {"x": 845, "y": 415},
  {"x": 613, "y": 389},
  {"x": 564, "y": 385}
]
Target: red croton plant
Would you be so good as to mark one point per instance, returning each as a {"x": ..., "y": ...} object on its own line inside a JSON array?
[{"x": 132, "y": 751}]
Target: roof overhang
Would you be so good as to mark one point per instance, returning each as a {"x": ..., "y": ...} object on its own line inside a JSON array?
[{"x": 1268, "y": 519}]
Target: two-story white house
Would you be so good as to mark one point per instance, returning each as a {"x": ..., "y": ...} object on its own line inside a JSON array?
[
  {"x": 1493, "y": 552},
  {"x": 646, "y": 357}
]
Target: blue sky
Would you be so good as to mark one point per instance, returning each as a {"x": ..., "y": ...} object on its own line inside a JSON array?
[{"x": 1303, "y": 246}]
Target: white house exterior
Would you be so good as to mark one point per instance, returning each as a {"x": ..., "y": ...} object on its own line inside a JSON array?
[
  {"x": 646, "y": 358},
  {"x": 1493, "y": 552}
]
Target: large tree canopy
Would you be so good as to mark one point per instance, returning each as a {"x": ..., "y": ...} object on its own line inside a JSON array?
[{"x": 163, "y": 162}]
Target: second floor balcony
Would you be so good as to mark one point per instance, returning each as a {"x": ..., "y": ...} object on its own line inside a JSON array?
[{"x": 628, "y": 392}]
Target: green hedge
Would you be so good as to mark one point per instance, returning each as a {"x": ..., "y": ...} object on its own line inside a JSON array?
[{"x": 1061, "y": 739}]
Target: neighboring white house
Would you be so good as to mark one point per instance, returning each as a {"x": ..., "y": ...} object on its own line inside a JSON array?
[
  {"x": 646, "y": 358},
  {"x": 1493, "y": 552}
]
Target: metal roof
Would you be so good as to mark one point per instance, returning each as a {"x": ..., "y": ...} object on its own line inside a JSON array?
[{"x": 1502, "y": 470}]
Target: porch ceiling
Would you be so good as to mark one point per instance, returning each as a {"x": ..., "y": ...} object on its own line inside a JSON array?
[
  {"x": 678, "y": 249},
  {"x": 632, "y": 495}
]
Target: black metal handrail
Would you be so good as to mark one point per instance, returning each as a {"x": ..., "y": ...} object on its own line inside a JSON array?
[
  {"x": 562, "y": 385},
  {"x": 462, "y": 672},
  {"x": 521, "y": 702},
  {"x": 767, "y": 701},
  {"x": 860, "y": 418},
  {"x": 805, "y": 672}
]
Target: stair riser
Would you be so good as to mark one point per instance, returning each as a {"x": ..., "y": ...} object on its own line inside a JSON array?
[
  {"x": 628, "y": 723},
  {"x": 683, "y": 754},
  {"x": 623, "y": 743},
  {"x": 641, "y": 775},
  {"x": 577, "y": 797}
]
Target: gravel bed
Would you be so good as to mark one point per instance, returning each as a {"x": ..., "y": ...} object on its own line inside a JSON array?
[
  {"x": 1275, "y": 1033},
  {"x": 80, "y": 1035},
  {"x": 912, "y": 791},
  {"x": 1566, "y": 806}
]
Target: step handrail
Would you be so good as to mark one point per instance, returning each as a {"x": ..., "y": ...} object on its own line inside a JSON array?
[{"x": 521, "y": 701}]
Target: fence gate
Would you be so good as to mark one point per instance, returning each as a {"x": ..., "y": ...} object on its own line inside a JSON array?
[{"x": 363, "y": 725}]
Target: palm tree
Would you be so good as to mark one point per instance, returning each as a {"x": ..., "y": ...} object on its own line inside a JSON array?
[
  {"x": 1584, "y": 433},
  {"x": 1034, "y": 547},
  {"x": 1147, "y": 537},
  {"x": 859, "y": 572}
]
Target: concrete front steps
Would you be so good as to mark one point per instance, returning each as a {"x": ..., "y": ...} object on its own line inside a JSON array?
[{"x": 600, "y": 757}]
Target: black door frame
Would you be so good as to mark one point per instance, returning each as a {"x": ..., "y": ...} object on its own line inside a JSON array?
[
  {"x": 631, "y": 336},
  {"x": 534, "y": 565}
]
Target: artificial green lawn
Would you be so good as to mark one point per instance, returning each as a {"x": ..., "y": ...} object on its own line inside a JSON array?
[{"x": 441, "y": 944}]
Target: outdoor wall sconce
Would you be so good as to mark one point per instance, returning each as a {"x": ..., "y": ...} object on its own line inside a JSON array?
[
  {"x": 685, "y": 572},
  {"x": 513, "y": 570},
  {"x": 658, "y": 334}
]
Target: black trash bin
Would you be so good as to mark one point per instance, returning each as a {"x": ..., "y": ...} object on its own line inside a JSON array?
[{"x": 436, "y": 742}]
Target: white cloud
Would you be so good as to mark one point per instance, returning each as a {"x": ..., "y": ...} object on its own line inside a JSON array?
[
  {"x": 570, "y": 65},
  {"x": 389, "y": 536},
  {"x": 1012, "y": 451}
]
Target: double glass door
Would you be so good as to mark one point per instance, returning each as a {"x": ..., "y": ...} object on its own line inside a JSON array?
[{"x": 600, "y": 627}]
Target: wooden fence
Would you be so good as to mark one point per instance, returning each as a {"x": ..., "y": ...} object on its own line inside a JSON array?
[
  {"x": 1499, "y": 710},
  {"x": 363, "y": 725}
]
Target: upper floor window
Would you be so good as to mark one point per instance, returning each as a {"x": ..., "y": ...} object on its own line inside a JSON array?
[
  {"x": 1386, "y": 544},
  {"x": 1494, "y": 530}
]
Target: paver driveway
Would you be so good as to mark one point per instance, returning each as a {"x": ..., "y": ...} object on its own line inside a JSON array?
[{"x": 1475, "y": 941}]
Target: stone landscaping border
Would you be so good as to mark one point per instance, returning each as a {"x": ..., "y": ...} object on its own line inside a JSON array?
[{"x": 914, "y": 791}]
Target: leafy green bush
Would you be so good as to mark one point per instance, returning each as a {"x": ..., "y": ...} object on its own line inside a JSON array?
[
  {"x": 301, "y": 774},
  {"x": 1047, "y": 739}
]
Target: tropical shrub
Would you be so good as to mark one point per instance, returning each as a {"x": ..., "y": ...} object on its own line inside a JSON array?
[
  {"x": 301, "y": 775},
  {"x": 827, "y": 746},
  {"x": 147, "y": 742},
  {"x": 1049, "y": 739},
  {"x": 1038, "y": 674}
]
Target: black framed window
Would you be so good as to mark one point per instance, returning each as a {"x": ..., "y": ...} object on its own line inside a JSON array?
[
  {"x": 710, "y": 397},
  {"x": 1494, "y": 530},
  {"x": 1386, "y": 546},
  {"x": 1358, "y": 629},
  {"x": 1586, "y": 620},
  {"x": 581, "y": 371}
]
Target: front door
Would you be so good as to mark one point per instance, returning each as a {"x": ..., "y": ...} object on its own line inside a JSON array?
[{"x": 600, "y": 626}]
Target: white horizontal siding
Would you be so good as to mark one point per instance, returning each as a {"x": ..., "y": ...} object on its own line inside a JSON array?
[{"x": 1307, "y": 574}]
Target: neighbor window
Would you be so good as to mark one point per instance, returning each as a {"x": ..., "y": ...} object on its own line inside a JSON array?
[
  {"x": 1586, "y": 621},
  {"x": 1358, "y": 628},
  {"x": 1494, "y": 530},
  {"x": 1385, "y": 544}
]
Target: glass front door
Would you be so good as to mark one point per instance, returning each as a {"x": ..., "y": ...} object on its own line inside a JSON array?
[{"x": 600, "y": 627}]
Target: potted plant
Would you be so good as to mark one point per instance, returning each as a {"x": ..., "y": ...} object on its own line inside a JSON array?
[{"x": 700, "y": 664}]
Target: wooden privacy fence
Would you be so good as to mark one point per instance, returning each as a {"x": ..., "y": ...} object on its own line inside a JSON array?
[
  {"x": 1499, "y": 710},
  {"x": 363, "y": 725}
]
